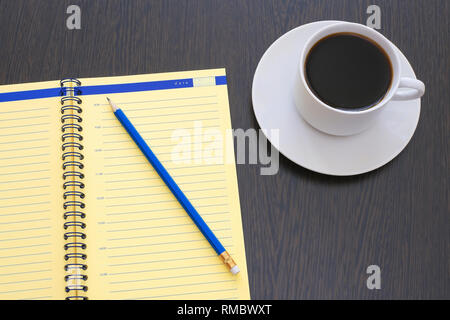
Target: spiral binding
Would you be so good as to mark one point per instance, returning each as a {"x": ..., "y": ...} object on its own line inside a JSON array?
[{"x": 73, "y": 195}]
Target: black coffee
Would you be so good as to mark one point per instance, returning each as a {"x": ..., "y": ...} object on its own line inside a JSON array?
[{"x": 348, "y": 71}]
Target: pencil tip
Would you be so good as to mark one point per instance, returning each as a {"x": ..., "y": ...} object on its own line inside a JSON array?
[{"x": 112, "y": 104}]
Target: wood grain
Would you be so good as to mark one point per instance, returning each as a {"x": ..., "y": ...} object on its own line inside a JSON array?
[{"x": 308, "y": 236}]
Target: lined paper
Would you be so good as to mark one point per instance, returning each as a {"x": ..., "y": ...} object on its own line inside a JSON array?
[
  {"x": 31, "y": 264},
  {"x": 141, "y": 243}
]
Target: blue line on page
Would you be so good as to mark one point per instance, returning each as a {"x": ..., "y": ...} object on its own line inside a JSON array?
[{"x": 105, "y": 89}]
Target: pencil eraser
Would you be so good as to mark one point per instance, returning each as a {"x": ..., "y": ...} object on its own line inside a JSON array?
[{"x": 235, "y": 270}]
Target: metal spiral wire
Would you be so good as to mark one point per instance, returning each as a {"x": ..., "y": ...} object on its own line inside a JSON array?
[{"x": 73, "y": 186}]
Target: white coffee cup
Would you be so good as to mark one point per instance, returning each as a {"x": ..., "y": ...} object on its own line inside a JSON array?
[{"x": 342, "y": 122}]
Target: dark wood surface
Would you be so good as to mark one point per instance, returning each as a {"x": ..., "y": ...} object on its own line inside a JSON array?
[{"x": 308, "y": 236}]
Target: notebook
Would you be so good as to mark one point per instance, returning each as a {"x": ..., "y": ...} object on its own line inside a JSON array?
[{"x": 83, "y": 215}]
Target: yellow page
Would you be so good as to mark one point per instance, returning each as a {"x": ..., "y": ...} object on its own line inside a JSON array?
[
  {"x": 31, "y": 223},
  {"x": 141, "y": 243}
]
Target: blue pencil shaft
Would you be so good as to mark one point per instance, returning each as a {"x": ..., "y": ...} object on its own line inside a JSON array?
[{"x": 171, "y": 184}]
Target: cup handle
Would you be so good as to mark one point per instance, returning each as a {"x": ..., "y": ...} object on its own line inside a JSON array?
[{"x": 408, "y": 89}]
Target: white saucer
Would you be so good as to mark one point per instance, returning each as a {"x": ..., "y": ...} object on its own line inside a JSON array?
[{"x": 274, "y": 108}]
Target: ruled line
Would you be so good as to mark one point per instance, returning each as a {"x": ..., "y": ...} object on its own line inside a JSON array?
[
  {"x": 172, "y": 168},
  {"x": 164, "y": 218},
  {"x": 159, "y": 138},
  {"x": 137, "y": 179},
  {"x": 152, "y": 244},
  {"x": 22, "y": 133},
  {"x": 21, "y": 290},
  {"x": 156, "y": 194},
  {"x": 25, "y": 118},
  {"x": 125, "y": 164},
  {"x": 27, "y": 125},
  {"x": 26, "y": 196},
  {"x": 128, "y": 156},
  {"x": 163, "y": 235},
  {"x": 167, "y": 107},
  {"x": 172, "y": 107},
  {"x": 24, "y": 141},
  {"x": 159, "y": 100},
  {"x": 193, "y": 167},
  {"x": 25, "y": 164},
  {"x": 173, "y": 286},
  {"x": 25, "y": 221},
  {"x": 201, "y": 181},
  {"x": 126, "y": 172},
  {"x": 160, "y": 130},
  {"x": 167, "y": 122},
  {"x": 139, "y": 187},
  {"x": 16, "y": 273},
  {"x": 26, "y": 255},
  {"x": 167, "y": 226},
  {"x": 22, "y": 264},
  {"x": 24, "y": 172},
  {"x": 25, "y": 204},
  {"x": 153, "y": 227},
  {"x": 201, "y": 190},
  {"x": 186, "y": 293},
  {"x": 175, "y": 176},
  {"x": 26, "y": 212},
  {"x": 24, "y": 180},
  {"x": 26, "y": 229},
  {"x": 151, "y": 145},
  {"x": 152, "y": 236},
  {"x": 163, "y": 185},
  {"x": 26, "y": 238},
  {"x": 27, "y": 156},
  {"x": 156, "y": 261},
  {"x": 198, "y": 174},
  {"x": 148, "y": 219},
  {"x": 162, "y": 115},
  {"x": 194, "y": 151},
  {"x": 27, "y": 148},
  {"x": 175, "y": 144},
  {"x": 119, "y": 149},
  {"x": 25, "y": 188},
  {"x": 173, "y": 277},
  {"x": 143, "y": 211},
  {"x": 164, "y": 209},
  {"x": 39, "y": 298},
  {"x": 160, "y": 201},
  {"x": 158, "y": 252},
  {"x": 165, "y": 269},
  {"x": 163, "y": 153},
  {"x": 27, "y": 246},
  {"x": 24, "y": 110}
]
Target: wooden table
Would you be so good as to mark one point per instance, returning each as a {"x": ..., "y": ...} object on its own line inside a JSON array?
[{"x": 308, "y": 236}]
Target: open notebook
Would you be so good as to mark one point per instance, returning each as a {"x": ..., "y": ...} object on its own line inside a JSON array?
[{"x": 83, "y": 214}]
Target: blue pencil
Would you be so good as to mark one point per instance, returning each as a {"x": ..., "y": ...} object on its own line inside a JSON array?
[{"x": 171, "y": 184}]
